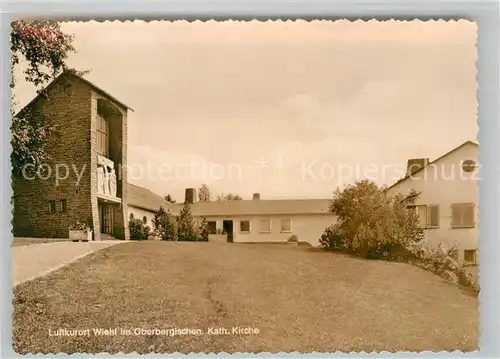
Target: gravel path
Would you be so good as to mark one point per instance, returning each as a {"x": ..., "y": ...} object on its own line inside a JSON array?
[
  {"x": 34, "y": 260},
  {"x": 298, "y": 300}
]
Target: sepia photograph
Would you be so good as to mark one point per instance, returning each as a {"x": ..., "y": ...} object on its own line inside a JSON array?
[{"x": 244, "y": 186}]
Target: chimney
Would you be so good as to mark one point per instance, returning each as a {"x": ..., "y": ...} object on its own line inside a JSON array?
[
  {"x": 256, "y": 196},
  {"x": 190, "y": 195},
  {"x": 416, "y": 164}
]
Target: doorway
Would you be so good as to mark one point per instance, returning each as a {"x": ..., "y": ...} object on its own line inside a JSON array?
[
  {"x": 227, "y": 226},
  {"x": 106, "y": 218}
]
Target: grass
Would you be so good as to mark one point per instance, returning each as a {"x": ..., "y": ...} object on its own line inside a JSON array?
[
  {"x": 16, "y": 242},
  {"x": 300, "y": 300}
]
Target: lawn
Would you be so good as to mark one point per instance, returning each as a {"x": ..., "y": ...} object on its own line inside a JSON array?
[
  {"x": 292, "y": 299},
  {"x": 18, "y": 241}
]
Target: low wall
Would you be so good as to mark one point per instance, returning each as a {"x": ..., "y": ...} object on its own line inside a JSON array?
[{"x": 222, "y": 238}]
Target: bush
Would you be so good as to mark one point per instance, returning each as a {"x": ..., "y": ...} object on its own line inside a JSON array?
[
  {"x": 370, "y": 223},
  {"x": 138, "y": 230},
  {"x": 442, "y": 261},
  {"x": 203, "y": 231},
  {"x": 292, "y": 239},
  {"x": 332, "y": 239}
]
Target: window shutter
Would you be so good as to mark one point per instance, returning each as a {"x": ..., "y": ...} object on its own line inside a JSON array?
[
  {"x": 468, "y": 215},
  {"x": 433, "y": 212},
  {"x": 455, "y": 215}
]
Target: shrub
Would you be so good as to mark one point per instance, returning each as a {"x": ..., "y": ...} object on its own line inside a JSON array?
[
  {"x": 442, "y": 261},
  {"x": 203, "y": 231},
  {"x": 370, "y": 223},
  {"x": 79, "y": 226},
  {"x": 165, "y": 225},
  {"x": 138, "y": 230},
  {"x": 332, "y": 239},
  {"x": 292, "y": 239}
]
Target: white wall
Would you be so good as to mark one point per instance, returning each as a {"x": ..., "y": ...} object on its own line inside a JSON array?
[
  {"x": 307, "y": 227},
  {"x": 445, "y": 184},
  {"x": 139, "y": 213}
]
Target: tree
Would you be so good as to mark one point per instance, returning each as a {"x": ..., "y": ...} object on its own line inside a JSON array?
[
  {"x": 371, "y": 223},
  {"x": 44, "y": 47},
  {"x": 165, "y": 224},
  {"x": 204, "y": 193},
  {"x": 203, "y": 231},
  {"x": 185, "y": 224},
  {"x": 229, "y": 197},
  {"x": 169, "y": 198}
]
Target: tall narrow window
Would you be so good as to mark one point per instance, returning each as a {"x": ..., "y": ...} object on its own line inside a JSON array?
[
  {"x": 52, "y": 206},
  {"x": 102, "y": 135},
  {"x": 64, "y": 205}
]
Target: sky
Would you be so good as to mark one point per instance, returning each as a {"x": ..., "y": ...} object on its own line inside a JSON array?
[{"x": 286, "y": 109}]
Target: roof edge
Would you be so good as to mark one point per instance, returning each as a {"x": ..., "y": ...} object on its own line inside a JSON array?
[
  {"x": 57, "y": 79},
  {"x": 437, "y": 159}
]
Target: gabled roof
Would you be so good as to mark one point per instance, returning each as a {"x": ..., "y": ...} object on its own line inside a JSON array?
[
  {"x": 257, "y": 207},
  {"x": 143, "y": 198},
  {"x": 435, "y": 161},
  {"x": 87, "y": 82}
]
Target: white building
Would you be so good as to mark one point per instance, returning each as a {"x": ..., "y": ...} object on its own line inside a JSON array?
[
  {"x": 448, "y": 203},
  {"x": 142, "y": 203},
  {"x": 244, "y": 221},
  {"x": 259, "y": 221}
]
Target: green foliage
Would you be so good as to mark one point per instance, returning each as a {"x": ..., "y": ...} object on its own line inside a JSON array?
[
  {"x": 228, "y": 197},
  {"x": 185, "y": 225},
  {"x": 293, "y": 238},
  {"x": 79, "y": 226},
  {"x": 203, "y": 231},
  {"x": 165, "y": 225},
  {"x": 370, "y": 223},
  {"x": 138, "y": 230},
  {"x": 31, "y": 137},
  {"x": 204, "y": 193},
  {"x": 331, "y": 238},
  {"x": 44, "y": 48},
  {"x": 169, "y": 198},
  {"x": 443, "y": 261}
]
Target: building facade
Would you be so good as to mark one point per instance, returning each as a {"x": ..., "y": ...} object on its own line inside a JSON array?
[
  {"x": 262, "y": 221},
  {"x": 448, "y": 202},
  {"x": 85, "y": 178}
]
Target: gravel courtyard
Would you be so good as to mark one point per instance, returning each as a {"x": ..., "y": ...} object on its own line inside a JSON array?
[{"x": 284, "y": 298}]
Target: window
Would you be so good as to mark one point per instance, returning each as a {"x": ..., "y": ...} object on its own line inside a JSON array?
[
  {"x": 212, "y": 227},
  {"x": 52, "y": 206},
  {"x": 462, "y": 215},
  {"x": 244, "y": 226},
  {"x": 470, "y": 256},
  {"x": 144, "y": 219},
  {"x": 64, "y": 205},
  {"x": 265, "y": 225},
  {"x": 428, "y": 215},
  {"x": 102, "y": 136},
  {"x": 286, "y": 225}
]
